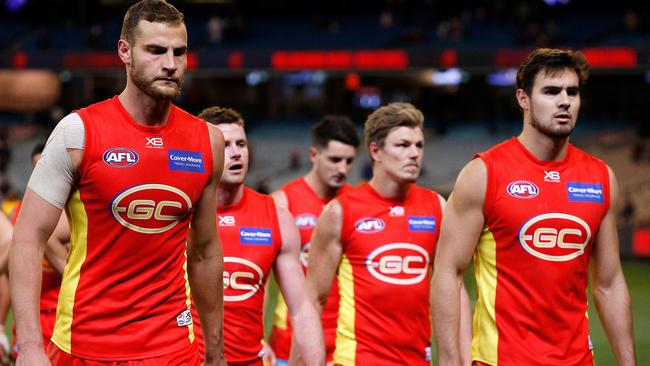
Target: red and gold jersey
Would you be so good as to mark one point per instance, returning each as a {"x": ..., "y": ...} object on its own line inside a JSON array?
[
  {"x": 541, "y": 218},
  {"x": 251, "y": 240},
  {"x": 125, "y": 293},
  {"x": 305, "y": 206},
  {"x": 388, "y": 247}
]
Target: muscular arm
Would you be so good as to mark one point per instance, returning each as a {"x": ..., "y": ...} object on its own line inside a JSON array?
[
  {"x": 325, "y": 254},
  {"x": 6, "y": 233},
  {"x": 308, "y": 337},
  {"x": 205, "y": 260},
  {"x": 461, "y": 227},
  {"x": 608, "y": 285}
]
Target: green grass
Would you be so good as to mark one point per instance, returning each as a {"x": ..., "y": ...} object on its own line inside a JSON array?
[{"x": 637, "y": 275}]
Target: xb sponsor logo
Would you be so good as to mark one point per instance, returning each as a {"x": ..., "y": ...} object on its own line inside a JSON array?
[
  {"x": 150, "y": 208},
  {"x": 226, "y": 220},
  {"x": 555, "y": 237},
  {"x": 154, "y": 142},
  {"x": 369, "y": 225},
  {"x": 396, "y": 211},
  {"x": 551, "y": 176},
  {"x": 120, "y": 157},
  {"x": 399, "y": 263},
  {"x": 522, "y": 189},
  {"x": 241, "y": 279}
]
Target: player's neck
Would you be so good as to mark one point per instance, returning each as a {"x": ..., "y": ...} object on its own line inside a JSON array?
[
  {"x": 543, "y": 147},
  {"x": 387, "y": 186},
  {"x": 143, "y": 109},
  {"x": 228, "y": 195},
  {"x": 321, "y": 189}
]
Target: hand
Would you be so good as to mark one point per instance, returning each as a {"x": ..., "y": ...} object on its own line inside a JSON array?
[{"x": 269, "y": 356}]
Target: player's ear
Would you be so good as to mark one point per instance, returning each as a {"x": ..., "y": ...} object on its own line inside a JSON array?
[
  {"x": 523, "y": 99},
  {"x": 373, "y": 148},
  {"x": 124, "y": 51},
  {"x": 312, "y": 153}
]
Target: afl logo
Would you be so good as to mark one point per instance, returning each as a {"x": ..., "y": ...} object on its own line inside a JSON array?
[
  {"x": 369, "y": 225},
  {"x": 241, "y": 279},
  {"x": 120, "y": 157},
  {"x": 150, "y": 208},
  {"x": 522, "y": 189},
  {"x": 399, "y": 263},
  {"x": 306, "y": 221},
  {"x": 555, "y": 237}
]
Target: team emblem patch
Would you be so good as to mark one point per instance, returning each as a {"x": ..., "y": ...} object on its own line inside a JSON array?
[
  {"x": 555, "y": 237},
  {"x": 369, "y": 225},
  {"x": 583, "y": 192},
  {"x": 120, "y": 157},
  {"x": 522, "y": 189},
  {"x": 189, "y": 161}
]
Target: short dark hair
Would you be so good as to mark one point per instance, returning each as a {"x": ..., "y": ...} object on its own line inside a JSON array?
[
  {"x": 158, "y": 11},
  {"x": 386, "y": 118},
  {"x": 38, "y": 149},
  {"x": 334, "y": 127},
  {"x": 219, "y": 115},
  {"x": 550, "y": 60}
]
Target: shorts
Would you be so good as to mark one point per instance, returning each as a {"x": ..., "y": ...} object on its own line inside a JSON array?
[{"x": 185, "y": 357}]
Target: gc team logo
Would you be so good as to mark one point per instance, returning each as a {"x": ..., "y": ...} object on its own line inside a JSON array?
[
  {"x": 399, "y": 263},
  {"x": 135, "y": 209},
  {"x": 369, "y": 225},
  {"x": 120, "y": 157},
  {"x": 555, "y": 237},
  {"x": 522, "y": 189},
  {"x": 241, "y": 279}
]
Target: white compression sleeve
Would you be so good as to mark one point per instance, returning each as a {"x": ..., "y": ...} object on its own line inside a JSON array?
[{"x": 53, "y": 176}]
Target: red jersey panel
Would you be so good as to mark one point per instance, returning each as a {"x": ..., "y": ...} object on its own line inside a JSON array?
[
  {"x": 305, "y": 206},
  {"x": 125, "y": 293},
  {"x": 251, "y": 240},
  {"x": 388, "y": 247},
  {"x": 531, "y": 261}
]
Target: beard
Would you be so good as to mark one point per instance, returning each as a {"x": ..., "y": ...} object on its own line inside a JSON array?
[
  {"x": 148, "y": 86},
  {"x": 556, "y": 132}
]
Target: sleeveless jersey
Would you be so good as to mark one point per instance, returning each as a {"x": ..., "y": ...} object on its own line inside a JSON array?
[
  {"x": 541, "y": 218},
  {"x": 125, "y": 293},
  {"x": 251, "y": 240},
  {"x": 305, "y": 206},
  {"x": 388, "y": 247}
]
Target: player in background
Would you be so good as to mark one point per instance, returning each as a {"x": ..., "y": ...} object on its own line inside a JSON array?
[
  {"x": 257, "y": 236},
  {"x": 379, "y": 239},
  {"x": 334, "y": 147}
]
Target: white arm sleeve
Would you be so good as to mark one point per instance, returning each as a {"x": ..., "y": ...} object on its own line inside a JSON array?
[{"x": 53, "y": 176}]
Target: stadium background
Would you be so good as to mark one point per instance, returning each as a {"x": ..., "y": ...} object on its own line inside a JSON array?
[{"x": 284, "y": 64}]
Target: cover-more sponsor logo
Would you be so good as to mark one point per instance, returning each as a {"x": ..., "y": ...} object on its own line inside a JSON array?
[
  {"x": 555, "y": 237},
  {"x": 522, "y": 189},
  {"x": 369, "y": 225},
  {"x": 306, "y": 221},
  {"x": 241, "y": 279},
  {"x": 256, "y": 236},
  {"x": 399, "y": 263},
  {"x": 584, "y": 192},
  {"x": 150, "y": 208},
  {"x": 120, "y": 157}
]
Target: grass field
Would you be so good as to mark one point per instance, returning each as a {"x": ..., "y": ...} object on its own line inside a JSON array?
[{"x": 638, "y": 279}]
